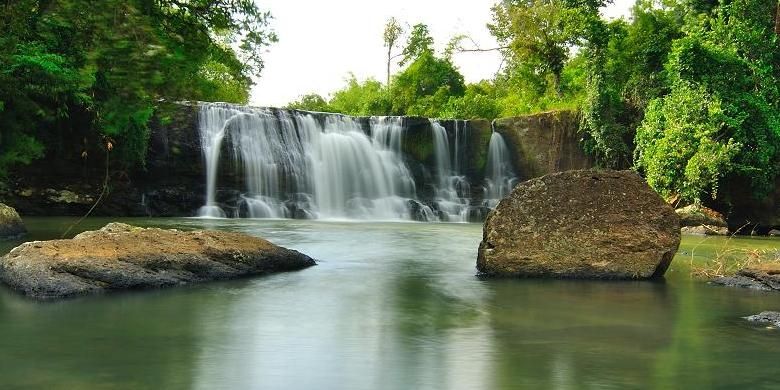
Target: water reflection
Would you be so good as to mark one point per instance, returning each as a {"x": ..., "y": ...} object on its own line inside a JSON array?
[{"x": 391, "y": 306}]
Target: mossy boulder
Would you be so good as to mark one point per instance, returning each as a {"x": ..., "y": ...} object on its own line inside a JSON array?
[
  {"x": 11, "y": 225},
  {"x": 696, "y": 219},
  {"x": 544, "y": 143},
  {"x": 580, "y": 224},
  {"x": 120, "y": 256}
]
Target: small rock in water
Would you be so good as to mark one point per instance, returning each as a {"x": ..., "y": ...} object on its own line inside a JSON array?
[
  {"x": 769, "y": 317},
  {"x": 11, "y": 225},
  {"x": 740, "y": 281}
]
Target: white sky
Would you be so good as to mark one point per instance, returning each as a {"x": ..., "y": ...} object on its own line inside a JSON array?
[{"x": 321, "y": 42}]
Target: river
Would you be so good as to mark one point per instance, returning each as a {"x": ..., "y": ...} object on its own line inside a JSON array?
[{"x": 392, "y": 306}]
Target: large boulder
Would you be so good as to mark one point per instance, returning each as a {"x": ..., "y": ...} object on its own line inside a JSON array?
[
  {"x": 121, "y": 256},
  {"x": 11, "y": 225},
  {"x": 580, "y": 224}
]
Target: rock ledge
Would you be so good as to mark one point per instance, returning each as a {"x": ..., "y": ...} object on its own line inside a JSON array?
[{"x": 121, "y": 256}]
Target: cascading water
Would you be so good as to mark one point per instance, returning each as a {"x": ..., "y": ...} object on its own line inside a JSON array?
[
  {"x": 499, "y": 175},
  {"x": 297, "y": 166},
  {"x": 452, "y": 188}
]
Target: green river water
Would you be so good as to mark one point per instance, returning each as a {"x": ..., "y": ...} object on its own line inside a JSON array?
[{"x": 392, "y": 306}]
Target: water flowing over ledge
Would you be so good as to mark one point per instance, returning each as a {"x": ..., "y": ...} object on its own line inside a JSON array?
[
  {"x": 296, "y": 164},
  {"x": 456, "y": 174}
]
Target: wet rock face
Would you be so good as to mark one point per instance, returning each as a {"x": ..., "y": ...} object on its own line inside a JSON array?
[
  {"x": 580, "y": 224},
  {"x": 10, "y": 223},
  {"x": 765, "y": 317},
  {"x": 121, "y": 256}
]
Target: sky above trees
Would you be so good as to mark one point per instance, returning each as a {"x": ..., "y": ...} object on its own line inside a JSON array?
[{"x": 320, "y": 43}]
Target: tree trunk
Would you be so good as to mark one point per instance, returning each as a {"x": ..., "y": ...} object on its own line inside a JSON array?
[
  {"x": 389, "y": 57},
  {"x": 777, "y": 18}
]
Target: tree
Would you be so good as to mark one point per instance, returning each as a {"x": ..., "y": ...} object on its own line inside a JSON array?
[
  {"x": 73, "y": 69},
  {"x": 478, "y": 102},
  {"x": 361, "y": 99},
  {"x": 392, "y": 33},
  {"x": 720, "y": 124},
  {"x": 534, "y": 34},
  {"x": 311, "y": 102},
  {"x": 419, "y": 43},
  {"x": 777, "y": 18},
  {"x": 425, "y": 86}
]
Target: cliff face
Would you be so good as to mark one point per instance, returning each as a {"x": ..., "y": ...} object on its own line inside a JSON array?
[
  {"x": 544, "y": 143},
  {"x": 170, "y": 184}
]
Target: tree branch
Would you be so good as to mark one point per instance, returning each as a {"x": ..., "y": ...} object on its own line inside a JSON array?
[{"x": 482, "y": 50}]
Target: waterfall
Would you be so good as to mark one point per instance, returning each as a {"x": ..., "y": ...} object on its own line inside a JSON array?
[
  {"x": 451, "y": 189},
  {"x": 499, "y": 175},
  {"x": 296, "y": 165},
  {"x": 212, "y": 125}
]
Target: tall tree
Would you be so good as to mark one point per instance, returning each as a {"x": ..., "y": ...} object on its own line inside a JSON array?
[
  {"x": 392, "y": 33},
  {"x": 535, "y": 35},
  {"x": 777, "y": 18}
]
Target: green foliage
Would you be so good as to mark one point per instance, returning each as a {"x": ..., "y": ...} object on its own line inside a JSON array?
[
  {"x": 361, "y": 99},
  {"x": 479, "y": 101},
  {"x": 535, "y": 35},
  {"x": 625, "y": 63},
  {"x": 720, "y": 123},
  {"x": 311, "y": 102},
  {"x": 74, "y": 68},
  {"x": 419, "y": 43},
  {"x": 424, "y": 88},
  {"x": 686, "y": 91},
  {"x": 679, "y": 146}
]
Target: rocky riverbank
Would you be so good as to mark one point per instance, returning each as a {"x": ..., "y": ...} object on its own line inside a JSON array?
[
  {"x": 120, "y": 257},
  {"x": 758, "y": 277}
]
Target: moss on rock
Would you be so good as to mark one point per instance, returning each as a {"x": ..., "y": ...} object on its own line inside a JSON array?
[{"x": 11, "y": 224}]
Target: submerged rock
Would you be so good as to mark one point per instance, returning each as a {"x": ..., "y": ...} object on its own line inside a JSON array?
[
  {"x": 741, "y": 282},
  {"x": 11, "y": 225},
  {"x": 121, "y": 256},
  {"x": 759, "y": 277},
  {"x": 767, "y": 317},
  {"x": 580, "y": 224}
]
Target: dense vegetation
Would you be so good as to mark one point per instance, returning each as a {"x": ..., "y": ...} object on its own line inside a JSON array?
[
  {"x": 73, "y": 69},
  {"x": 685, "y": 91}
]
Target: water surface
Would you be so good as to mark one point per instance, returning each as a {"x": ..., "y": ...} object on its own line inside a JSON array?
[{"x": 392, "y": 306}]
